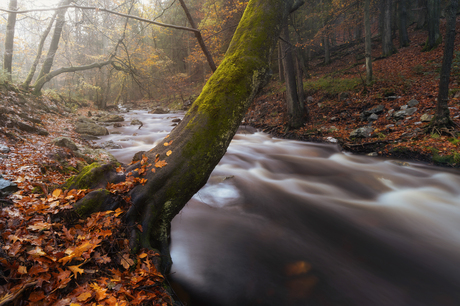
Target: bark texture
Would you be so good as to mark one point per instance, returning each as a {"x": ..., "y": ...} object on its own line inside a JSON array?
[
  {"x": 198, "y": 143},
  {"x": 442, "y": 117},
  {"x": 9, "y": 39},
  {"x": 403, "y": 35},
  {"x": 387, "y": 41}
]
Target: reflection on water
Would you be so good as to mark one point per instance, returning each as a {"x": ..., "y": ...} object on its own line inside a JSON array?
[{"x": 291, "y": 223}]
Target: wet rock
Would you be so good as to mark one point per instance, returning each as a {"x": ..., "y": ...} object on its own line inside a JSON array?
[
  {"x": 412, "y": 103},
  {"x": 362, "y": 132},
  {"x": 117, "y": 125},
  {"x": 89, "y": 127},
  {"x": 373, "y": 154},
  {"x": 110, "y": 118},
  {"x": 159, "y": 110},
  {"x": 177, "y": 120},
  {"x": 404, "y": 113},
  {"x": 65, "y": 142},
  {"x": 136, "y": 122},
  {"x": 109, "y": 145},
  {"x": 426, "y": 118},
  {"x": 4, "y": 149}
]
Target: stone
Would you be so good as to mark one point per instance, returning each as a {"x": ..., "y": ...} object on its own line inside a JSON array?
[
  {"x": 388, "y": 126},
  {"x": 65, "y": 142},
  {"x": 4, "y": 149},
  {"x": 7, "y": 187},
  {"x": 159, "y": 110},
  {"x": 344, "y": 95},
  {"x": 372, "y": 154},
  {"x": 110, "y": 118},
  {"x": 89, "y": 127},
  {"x": 362, "y": 132},
  {"x": 404, "y": 113},
  {"x": 412, "y": 103},
  {"x": 310, "y": 99},
  {"x": 136, "y": 122},
  {"x": 110, "y": 145},
  {"x": 404, "y": 107},
  {"x": 373, "y": 117},
  {"x": 176, "y": 120},
  {"x": 376, "y": 110},
  {"x": 117, "y": 125},
  {"x": 320, "y": 105},
  {"x": 457, "y": 95},
  {"x": 426, "y": 118},
  {"x": 390, "y": 112}
]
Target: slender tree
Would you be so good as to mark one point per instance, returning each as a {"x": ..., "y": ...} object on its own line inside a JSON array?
[
  {"x": 433, "y": 15},
  {"x": 295, "y": 107},
  {"x": 403, "y": 35},
  {"x": 9, "y": 39},
  {"x": 33, "y": 68},
  {"x": 387, "y": 41},
  {"x": 368, "y": 41},
  {"x": 54, "y": 45},
  {"x": 441, "y": 119}
]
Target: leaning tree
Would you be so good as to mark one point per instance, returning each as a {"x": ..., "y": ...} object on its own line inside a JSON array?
[{"x": 175, "y": 170}]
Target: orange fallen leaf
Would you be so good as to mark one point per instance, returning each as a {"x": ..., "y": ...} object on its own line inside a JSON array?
[
  {"x": 76, "y": 269},
  {"x": 126, "y": 262},
  {"x": 168, "y": 153},
  {"x": 161, "y": 164},
  {"x": 57, "y": 193},
  {"x": 84, "y": 296},
  {"x": 22, "y": 270}
]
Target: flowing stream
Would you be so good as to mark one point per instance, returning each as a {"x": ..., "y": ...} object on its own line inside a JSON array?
[{"x": 284, "y": 222}]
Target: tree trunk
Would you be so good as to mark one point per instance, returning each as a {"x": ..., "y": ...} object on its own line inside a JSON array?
[
  {"x": 327, "y": 50},
  {"x": 368, "y": 41},
  {"x": 295, "y": 107},
  {"x": 387, "y": 41},
  {"x": 183, "y": 164},
  {"x": 403, "y": 36},
  {"x": 280, "y": 63},
  {"x": 421, "y": 14},
  {"x": 9, "y": 39},
  {"x": 442, "y": 117},
  {"x": 434, "y": 36},
  {"x": 54, "y": 45},
  {"x": 46, "y": 78},
  {"x": 198, "y": 36},
  {"x": 31, "y": 74}
]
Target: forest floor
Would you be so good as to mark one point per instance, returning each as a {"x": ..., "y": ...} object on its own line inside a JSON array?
[{"x": 337, "y": 99}]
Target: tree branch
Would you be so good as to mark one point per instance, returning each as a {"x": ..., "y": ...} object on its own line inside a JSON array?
[{"x": 104, "y": 10}]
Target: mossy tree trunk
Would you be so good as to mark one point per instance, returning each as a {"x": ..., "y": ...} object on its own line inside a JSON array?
[
  {"x": 198, "y": 143},
  {"x": 442, "y": 119}
]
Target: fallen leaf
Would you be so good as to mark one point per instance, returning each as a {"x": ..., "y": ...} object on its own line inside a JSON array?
[
  {"x": 36, "y": 296},
  {"x": 168, "y": 153},
  {"x": 76, "y": 269},
  {"x": 57, "y": 193},
  {"x": 84, "y": 296},
  {"x": 22, "y": 270},
  {"x": 161, "y": 164},
  {"x": 126, "y": 261}
]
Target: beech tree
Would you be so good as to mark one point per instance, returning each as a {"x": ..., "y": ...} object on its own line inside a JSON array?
[
  {"x": 441, "y": 121},
  {"x": 175, "y": 170},
  {"x": 9, "y": 39},
  {"x": 368, "y": 41},
  {"x": 387, "y": 41},
  {"x": 433, "y": 15}
]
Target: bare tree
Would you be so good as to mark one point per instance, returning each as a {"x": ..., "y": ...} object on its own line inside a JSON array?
[{"x": 9, "y": 39}]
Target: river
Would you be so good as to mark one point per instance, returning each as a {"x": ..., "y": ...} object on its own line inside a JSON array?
[{"x": 284, "y": 222}]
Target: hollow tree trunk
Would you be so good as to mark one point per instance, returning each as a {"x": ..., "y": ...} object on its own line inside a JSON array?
[
  {"x": 197, "y": 144},
  {"x": 368, "y": 41},
  {"x": 54, "y": 45},
  {"x": 9, "y": 39},
  {"x": 33, "y": 68},
  {"x": 442, "y": 117}
]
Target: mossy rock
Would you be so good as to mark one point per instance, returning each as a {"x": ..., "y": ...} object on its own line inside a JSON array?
[{"x": 91, "y": 177}]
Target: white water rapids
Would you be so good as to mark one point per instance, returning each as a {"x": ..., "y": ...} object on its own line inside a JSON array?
[{"x": 284, "y": 222}]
